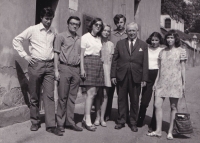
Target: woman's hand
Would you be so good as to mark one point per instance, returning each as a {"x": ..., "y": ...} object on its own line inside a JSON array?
[
  {"x": 154, "y": 87},
  {"x": 83, "y": 74}
]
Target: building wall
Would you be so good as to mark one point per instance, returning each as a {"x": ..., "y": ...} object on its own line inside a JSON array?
[
  {"x": 16, "y": 16},
  {"x": 174, "y": 25}
]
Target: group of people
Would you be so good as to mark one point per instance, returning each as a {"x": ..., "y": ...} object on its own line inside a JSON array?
[{"x": 100, "y": 65}]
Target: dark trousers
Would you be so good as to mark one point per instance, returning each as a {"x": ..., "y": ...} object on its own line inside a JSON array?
[
  {"x": 67, "y": 93},
  {"x": 41, "y": 75},
  {"x": 125, "y": 87},
  {"x": 110, "y": 100},
  {"x": 146, "y": 97}
]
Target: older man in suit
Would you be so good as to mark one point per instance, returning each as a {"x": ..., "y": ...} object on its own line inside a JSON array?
[{"x": 129, "y": 71}]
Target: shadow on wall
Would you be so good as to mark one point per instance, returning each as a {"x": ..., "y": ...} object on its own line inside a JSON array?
[{"x": 23, "y": 81}]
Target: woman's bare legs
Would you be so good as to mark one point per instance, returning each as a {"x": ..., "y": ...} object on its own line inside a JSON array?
[
  {"x": 173, "y": 104},
  {"x": 104, "y": 105},
  {"x": 91, "y": 93},
  {"x": 159, "y": 114}
]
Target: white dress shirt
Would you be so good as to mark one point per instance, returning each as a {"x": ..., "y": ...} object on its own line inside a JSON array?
[{"x": 40, "y": 42}]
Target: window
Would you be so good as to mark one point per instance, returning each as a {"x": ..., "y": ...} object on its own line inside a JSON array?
[{"x": 168, "y": 23}]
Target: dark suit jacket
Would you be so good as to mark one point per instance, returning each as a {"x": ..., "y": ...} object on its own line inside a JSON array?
[{"x": 137, "y": 61}]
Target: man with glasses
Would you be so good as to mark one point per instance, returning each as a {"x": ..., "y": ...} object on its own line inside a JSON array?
[
  {"x": 67, "y": 67},
  {"x": 40, "y": 69}
]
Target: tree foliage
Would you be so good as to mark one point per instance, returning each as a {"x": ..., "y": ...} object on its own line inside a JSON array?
[{"x": 179, "y": 9}]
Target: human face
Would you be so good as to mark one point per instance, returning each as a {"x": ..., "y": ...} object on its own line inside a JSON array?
[
  {"x": 132, "y": 31},
  {"x": 170, "y": 40},
  {"x": 46, "y": 21},
  {"x": 97, "y": 27},
  {"x": 155, "y": 42},
  {"x": 120, "y": 24},
  {"x": 73, "y": 25},
  {"x": 106, "y": 32}
]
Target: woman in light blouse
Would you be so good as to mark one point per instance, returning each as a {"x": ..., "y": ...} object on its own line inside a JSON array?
[{"x": 91, "y": 67}]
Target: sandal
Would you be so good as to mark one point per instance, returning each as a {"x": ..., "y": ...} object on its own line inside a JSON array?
[
  {"x": 170, "y": 137},
  {"x": 103, "y": 124},
  {"x": 96, "y": 123},
  {"x": 153, "y": 134}
]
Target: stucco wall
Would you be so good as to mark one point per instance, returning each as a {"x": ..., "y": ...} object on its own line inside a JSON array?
[
  {"x": 16, "y": 16},
  {"x": 148, "y": 17}
]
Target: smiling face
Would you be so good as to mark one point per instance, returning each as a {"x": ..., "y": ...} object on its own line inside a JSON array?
[
  {"x": 97, "y": 27},
  {"x": 155, "y": 42},
  {"x": 131, "y": 31},
  {"x": 170, "y": 40},
  {"x": 106, "y": 32}
]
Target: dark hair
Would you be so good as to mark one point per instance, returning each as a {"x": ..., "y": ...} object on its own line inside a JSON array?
[
  {"x": 95, "y": 20},
  {"x": 117, "y": 18},
  {"x": 47, "y": 11},
  {"x": 176, "y": 37},
  {"x": 155, "y": 34},
  {"x": 74, "y": 17}
]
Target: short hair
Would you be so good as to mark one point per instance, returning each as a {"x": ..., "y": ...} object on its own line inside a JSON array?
[
  {"x": 155, "y": 34},
  {"x": 47, "y": 11},
  {"x": 132, "y": 23},
  {"x": 74, "y": 17},
  {"x": 117, "y": 18},
  {"x": 176, "y": 37},
  {"x": 104, "y": 25},
  {"x": 95, "y": 20}
]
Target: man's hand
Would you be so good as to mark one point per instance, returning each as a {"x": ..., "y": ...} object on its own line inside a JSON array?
[
  {"x": 57, "y": 75},
  {"x": 83, "y": 74},
  {"x": 143, "y": 83},
  {"x": 114, "y": 81},
  {"x": 30, "y": 60}
]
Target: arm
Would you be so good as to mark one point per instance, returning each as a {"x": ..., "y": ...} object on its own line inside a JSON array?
[
  {"x": 145, "y": 67},
  {"x": 114, "y": 64},
  {"x": 57, "y": 74},
  {"x": 17, "y": 44},
  {"x": 83, "y": 74},
  {"x": 183, "y": 74}
]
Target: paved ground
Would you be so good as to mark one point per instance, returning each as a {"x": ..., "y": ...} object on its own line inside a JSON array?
[{"x": 20, "y": 133}]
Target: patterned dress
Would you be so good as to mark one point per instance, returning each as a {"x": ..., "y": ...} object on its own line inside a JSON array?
[{"x": 170, "y": 80}]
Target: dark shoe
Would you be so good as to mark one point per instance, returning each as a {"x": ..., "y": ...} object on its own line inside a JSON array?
[
  {"x": 62, "y": 129},
  {"x": 134, "y": 128},
  {"x": 89, "y": 128},
  {"x": 34, "y": 127},
  {"x": 119, "y": 126},
  {"x": 55, "y": 131},
  {"x": 139, "y": 123},
  {"x": 75, "y": 128}
]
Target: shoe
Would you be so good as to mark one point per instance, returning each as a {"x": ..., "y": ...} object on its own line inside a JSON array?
[
  {"x": 134, "y": 128},
  {"x": 96, "y": 123},
  {"x": 103, "y": 124},
  {"x": 170, "y": 136},
  {"x": 119, "y": 126},
  {"x": 55, "y": 131},
  {"x": 35, "y": 127},
  {"x": 139, "y": 124},
  {"x": 150, "y": 130},
  {"x": 75, "y": 128},
  {"x": 62, "y": 129},
  {"x": 154, "y": 134},
  {"x": 89, "y": 128}
]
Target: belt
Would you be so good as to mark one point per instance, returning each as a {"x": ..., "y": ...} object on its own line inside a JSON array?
[{"x": 69, "y": 64}]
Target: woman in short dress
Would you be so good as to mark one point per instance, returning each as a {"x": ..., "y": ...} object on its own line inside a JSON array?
[
  {"x": 170, "y": 81},
  {"x": 106, "y": 56},
  {"x": 91, "y": 67},
  {"x": 155, "y": 42}
]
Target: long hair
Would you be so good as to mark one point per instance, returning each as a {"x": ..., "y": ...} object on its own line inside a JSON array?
[
  {"x": 95, "y": 20},
  {"x": 155, "y": 34},
  {"x": 176, "y": 37}
]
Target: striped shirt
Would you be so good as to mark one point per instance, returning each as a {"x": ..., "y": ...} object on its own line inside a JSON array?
[{"x": 40, "y": 42}]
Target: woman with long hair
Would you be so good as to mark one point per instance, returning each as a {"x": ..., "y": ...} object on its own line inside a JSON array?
[
  {"x": 170, "y": 81},
  {"x": 91, "y": 67}
]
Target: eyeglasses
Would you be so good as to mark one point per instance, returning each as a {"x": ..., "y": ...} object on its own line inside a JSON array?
[
  {"x": 74, "y": 24},
  {"x": 96, "y": 24}
]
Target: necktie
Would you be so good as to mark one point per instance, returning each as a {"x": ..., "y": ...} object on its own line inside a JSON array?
[{"x": 131, "y": 46}]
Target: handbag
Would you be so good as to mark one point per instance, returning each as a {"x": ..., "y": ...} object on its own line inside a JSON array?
[{"x": 182, "y": 122}]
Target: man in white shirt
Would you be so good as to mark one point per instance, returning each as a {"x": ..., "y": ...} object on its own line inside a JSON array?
[{"x": 40, "y": 69}]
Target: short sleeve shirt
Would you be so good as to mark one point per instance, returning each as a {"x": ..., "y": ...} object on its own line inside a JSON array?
[
  {"x": 91, "y": 44},
  {"x": 68, "y": 48}
]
